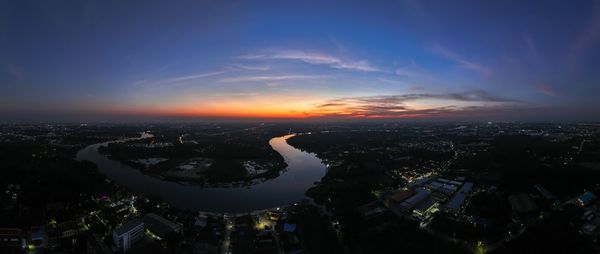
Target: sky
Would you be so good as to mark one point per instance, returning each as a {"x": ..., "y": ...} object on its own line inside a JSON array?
[{"x": 141, "y": 60}]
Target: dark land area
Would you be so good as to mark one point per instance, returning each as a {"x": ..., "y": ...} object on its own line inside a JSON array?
[
  {"x": 389, "y": 188},
  {"x": 210, "y": 154}
]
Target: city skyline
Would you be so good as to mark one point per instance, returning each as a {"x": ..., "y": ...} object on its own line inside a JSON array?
[{"x": 415, "y": 60}]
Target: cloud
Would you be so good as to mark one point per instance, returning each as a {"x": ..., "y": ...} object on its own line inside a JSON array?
[
  {"x": 271, "y": 78},
  {"x": 176, "y": 81},
  {"x": 253, "y": 67},
  {"x": 398, "y": 106},
  {"x": 409, "y": 73},
  {"x": 546, "y": 90},
  {"x": 532, "y": 48},
  {"x": 13, "y": 71},
  {"x": 331, "y": 104},
  {"x": 412, "y": 70},
  {"x": 393, "y": 81},
  {"x": 468, "y": 96},
  {"x": 444, "y": 52},
  {"x": 191, "y": 77},
  {"x": 317, "y": 59},
  {"x": 586, "y": 40}
]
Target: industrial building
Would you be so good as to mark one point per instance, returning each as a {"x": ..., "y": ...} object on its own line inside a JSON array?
[
  {"x": 420, "y": 181},
  {"x": 445, "y": 188},
  {"x": 446, "y": 181},
  {"x": 399, "y": 196},
  {"x": 456, "y": 202},
  {"x": 424, "y": 209},
  {"x": 412, "y": 202}
]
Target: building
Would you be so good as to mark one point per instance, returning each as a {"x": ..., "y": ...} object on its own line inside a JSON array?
[
  {"x": 201, "y": 221},
  {"x": 444, "y": 180},
  {"x": 160, "y": 226},
  {"x": 424, "y": 209},
  {"x": 439, "y": 197},
  {"x": 399, "y": 196},
  {"x": 371, "y": 210},
  {"x": 420, "y": 181},
  {"x": 95, "y": 245},
  {"x": 522, "y": 205},
  {"x": 589, "y": 229},
  {"x": 38, "y": 237},
  {"x": 67, "y": 229},
  {"x": 416, "y": 199},
  {"x": 445, "y": 188},
  {"x": 586, "y": 198},
  {"x": 455, "y": 204},
  {"x": 12, "y": 237},
  {"x": 546, "y": 194},
  {"x": 128, "y": 234}
]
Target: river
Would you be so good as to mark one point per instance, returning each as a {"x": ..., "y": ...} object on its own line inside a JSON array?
[{"x": 289, "y": 187}]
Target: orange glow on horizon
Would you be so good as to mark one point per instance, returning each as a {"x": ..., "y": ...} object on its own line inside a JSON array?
[
  {"x": 218, "y": 112},
  {"x": 261, "y": 113},
  {"x": 275, "y": 108}
]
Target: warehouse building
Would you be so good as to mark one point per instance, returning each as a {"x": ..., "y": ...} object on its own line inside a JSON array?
[{"x": 456, "y": 202}]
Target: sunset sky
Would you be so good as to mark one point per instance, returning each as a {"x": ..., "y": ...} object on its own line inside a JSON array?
[{"x": 127, "y": 60}]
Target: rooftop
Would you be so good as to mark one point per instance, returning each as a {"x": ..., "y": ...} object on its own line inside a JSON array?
[
  {"x": 128, "y": 226},
  {"x": 459, "y": 198},
  {"x": 587, "y": 197},
  {"x": 522, "y": 203},
  {"x": 160, "y": 225}
]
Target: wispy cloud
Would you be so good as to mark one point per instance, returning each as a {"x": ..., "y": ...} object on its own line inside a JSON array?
[
  {"x": 546, "y": 90},
  {"x": 460, "y": 60},
  {"x": 393, "y": 81},
  {"x": 316, "y": 58},
  {"x": 414, "y": 72},
  {"x": 532, "y": 48},
  {"x": 399, "y": 106},
  {"x": 271, "y": 78},
  {"x": 407, "y": 72},
  {"x": 13, "y": 70},
  {"x": 468, "y": 96},
  {"x": 253, "y": 67},
  {"x": 175, "y": 81},
  {"x": 586, "y": 40},
  {"x": 190, "y": 77}
]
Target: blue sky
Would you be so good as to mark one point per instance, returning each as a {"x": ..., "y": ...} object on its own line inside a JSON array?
[{"x": 103, "y": 60}]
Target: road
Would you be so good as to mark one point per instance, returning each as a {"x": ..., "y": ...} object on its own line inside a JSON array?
[{"x": 226, "y": 248}]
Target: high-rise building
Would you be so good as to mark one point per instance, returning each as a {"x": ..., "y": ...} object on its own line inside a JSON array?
[{"x": 128, "y": 234}]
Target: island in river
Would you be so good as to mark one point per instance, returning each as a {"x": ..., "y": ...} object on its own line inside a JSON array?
[
  {"x": 200, "y": 157},
  {"x": 303, "y": 170}
]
